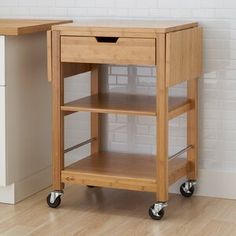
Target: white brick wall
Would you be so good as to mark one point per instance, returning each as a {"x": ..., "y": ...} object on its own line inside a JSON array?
[{"x": 217, "y": 89}]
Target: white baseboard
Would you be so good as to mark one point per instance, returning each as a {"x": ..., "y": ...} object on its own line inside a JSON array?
[
  {"x": 212, "y": 183},
  {"x": 18, "y": 191},
  {"x": 7, "y": 194}
]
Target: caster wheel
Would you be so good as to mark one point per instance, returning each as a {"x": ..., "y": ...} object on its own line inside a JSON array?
[
  {"x": 91, "y": 186},
  {"x": 187, "y": 189},
  {"x": 155, "y": 214},
  {"x": 56, "y": 202}
]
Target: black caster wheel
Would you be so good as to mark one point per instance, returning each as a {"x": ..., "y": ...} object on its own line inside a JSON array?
[
  {"x": 155, "y": 214},
  {"x": 55, "y": 203},
  {"x": 187, "y": 189}
]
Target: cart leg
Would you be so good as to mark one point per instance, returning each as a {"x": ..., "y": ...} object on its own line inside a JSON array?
[
  {"x": 95, "y": 117},
  {"x": 54, "y": 198},
  {"x": 162, "y": 124},
  {"x": 192, "y": 131},
  {"x": 162, "y": 146},
  {"x": 156, "y": 211},
  {"x": 187, "y": 188},
  {"x": 58, "y": 117}
]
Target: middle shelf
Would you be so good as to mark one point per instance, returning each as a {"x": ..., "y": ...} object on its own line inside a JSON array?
[{"x": 127, "y": 104}]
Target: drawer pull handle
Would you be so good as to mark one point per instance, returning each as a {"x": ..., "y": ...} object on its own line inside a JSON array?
[{"x": 107, "y": 39}]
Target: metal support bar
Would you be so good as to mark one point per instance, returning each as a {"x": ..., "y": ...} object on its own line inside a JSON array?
[
  {"x": 79, "y": 145},
  {"x": 181, "y": 152}
]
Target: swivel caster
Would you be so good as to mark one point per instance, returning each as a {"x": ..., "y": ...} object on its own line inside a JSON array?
[
  {"x": 54, "y": 199},
  {"x": 187, "y": 188},
  {"x": 156, "y": 211}
]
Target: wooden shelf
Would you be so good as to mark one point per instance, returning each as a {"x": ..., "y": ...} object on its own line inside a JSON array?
[
  {"x": 127, "y": 104},
  {"x": 124, "y": 171}
]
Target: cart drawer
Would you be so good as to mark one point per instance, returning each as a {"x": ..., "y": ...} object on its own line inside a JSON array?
[{"x": 108, "y": 50}]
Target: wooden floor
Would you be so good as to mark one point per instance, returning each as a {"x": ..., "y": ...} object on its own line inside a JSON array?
[{"x": 97, "y": 211}]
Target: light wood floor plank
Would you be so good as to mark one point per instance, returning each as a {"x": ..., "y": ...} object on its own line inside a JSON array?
[{"x": 105, "y": 212}]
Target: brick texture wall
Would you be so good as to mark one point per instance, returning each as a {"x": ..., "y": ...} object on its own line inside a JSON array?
[{"x": 137, "y": 134}]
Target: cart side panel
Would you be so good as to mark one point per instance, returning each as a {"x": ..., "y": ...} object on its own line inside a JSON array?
[{"x": 183, "y": 55}]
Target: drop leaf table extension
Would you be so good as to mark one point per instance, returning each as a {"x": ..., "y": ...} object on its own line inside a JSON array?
[{"x": 175, "y": 49}]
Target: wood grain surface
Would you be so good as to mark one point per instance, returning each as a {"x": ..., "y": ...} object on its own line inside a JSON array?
[{"x": 26, "y": 26}]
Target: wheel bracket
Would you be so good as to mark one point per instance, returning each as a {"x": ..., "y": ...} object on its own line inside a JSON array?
[
  {"x": 188, "y": 185},
  {"x": 54, "y": 195},
  {"x": 158, "y": 207}
]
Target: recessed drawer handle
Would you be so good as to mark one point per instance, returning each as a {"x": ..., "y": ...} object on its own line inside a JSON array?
[{"x": 107, "y": 39}]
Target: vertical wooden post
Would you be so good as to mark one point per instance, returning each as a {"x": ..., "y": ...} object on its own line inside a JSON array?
[
  {"x": 49, "y": 55},
  {"x": 192, "y": 130},
  {"x": 162, "y": 121},
  {"x": 95, "y": 117},
  {"x": 58, "y": 118}
]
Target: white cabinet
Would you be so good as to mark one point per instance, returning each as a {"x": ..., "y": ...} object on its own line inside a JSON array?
[
  {"x": 2, "y": 114},
  {"x": 25, "y": 108},
  {"x": 2, "y": 138},
  {"x": 2, "y": 60},
  {"x": 25, "y": 117}
]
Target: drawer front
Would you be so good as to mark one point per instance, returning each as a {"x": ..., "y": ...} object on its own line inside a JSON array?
[
  {"x": 2, "y": 60},
  {"x": 108, "y": 50},
  {"x": 2, "y": 138}
]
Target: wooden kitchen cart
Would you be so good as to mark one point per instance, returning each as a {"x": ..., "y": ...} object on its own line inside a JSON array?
[{"x": 175, "y": 49}]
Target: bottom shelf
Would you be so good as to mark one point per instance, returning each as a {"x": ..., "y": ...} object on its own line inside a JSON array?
[{"x": 123, "y": 171}]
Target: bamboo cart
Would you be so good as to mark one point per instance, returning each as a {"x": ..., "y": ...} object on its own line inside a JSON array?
[{"x": 175, "y": 49}]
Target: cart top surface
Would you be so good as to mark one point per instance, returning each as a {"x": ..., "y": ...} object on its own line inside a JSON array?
[
  {"x": 26, "y": 26},
  {"x": 139, "y": 26}
]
